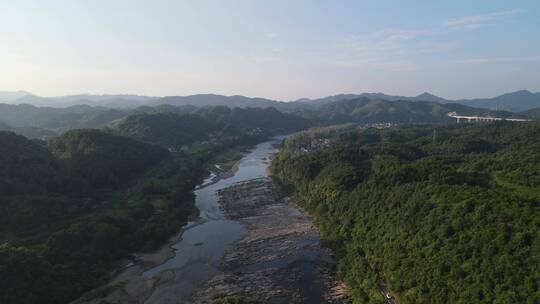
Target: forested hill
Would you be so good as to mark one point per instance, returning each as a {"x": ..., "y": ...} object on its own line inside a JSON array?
[
  {"x": 438, "y": 214},
  {"x": 27, "y": 166},
  {"x": 28, "y": 132},
  {"x": 57, "y": 119},
  {"x": 104, "y": 160},
  {"x": 71, "y": 209},
  {"x": 44, "y": 122},
  {"x": 209, "y": 124},
  {"x": 513, "y": 101},
  {"x": 36, "y": 180},
  {"x": 176, "y": 125},
  {"x": 366, "y": 110}
]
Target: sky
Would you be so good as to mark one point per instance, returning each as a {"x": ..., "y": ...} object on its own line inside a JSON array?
[{"x": 280, "y": 49}]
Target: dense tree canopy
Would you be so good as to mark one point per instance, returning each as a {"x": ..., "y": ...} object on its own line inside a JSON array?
[
  {"x": 369, "y": 110},
  {"x": 439, "y": 214},
  {"x": 70, "y": 210},
  {"x": 26, "y": 166},
  {"x": 72, "y": 207},
  {"x": 217, "y": 124},
  {"x": 102, "y": 159}
]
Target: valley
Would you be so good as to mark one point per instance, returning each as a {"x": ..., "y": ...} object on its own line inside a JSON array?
[
  {"x": 279, "y": 259},
  {"x": 248, "y": 241},
  {"x": 270, "y": 152},
  {"x": 189, "y": 205}
]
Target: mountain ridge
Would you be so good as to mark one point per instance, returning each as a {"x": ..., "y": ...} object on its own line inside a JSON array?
[{"x": 516, "y": 101}]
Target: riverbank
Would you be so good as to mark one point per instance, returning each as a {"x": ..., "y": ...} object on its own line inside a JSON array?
[
  {"x": 248, "y": 239},
  {"x": 279, "y": 259},
  {"x": 189, "y": 259},
  {"x": 129, "y": 285}
]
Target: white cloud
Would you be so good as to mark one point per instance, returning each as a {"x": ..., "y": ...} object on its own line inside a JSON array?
[
  {"x": 476, "y": 21},
  {"x": 434, "y": 47},
  {"x": 391, "y": 49},
  {"x": 498, "y": 59},
  {"x": 263, "y": 59},
  {"x": 387, "y": 40},
  {"x": 396, "y": 42},
  {"x": 378, "y": 64},
  {"x": 271, "y": 35}
]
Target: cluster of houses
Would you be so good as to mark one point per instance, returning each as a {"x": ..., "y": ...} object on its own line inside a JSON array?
[
  {"x": 314, "y": 145},
  {"x": 320, "y": 143}
]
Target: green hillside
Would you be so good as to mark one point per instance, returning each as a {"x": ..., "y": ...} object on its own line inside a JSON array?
[
  {"x": 166, "y": 129},
  {"x": 26, "y": 166},
  {"x": 102, "y": 159},
  {"x": 70, "y": 210},
  {"x": 57, "y": 119},
  {"x": 221, "y": 125},
  {"x": 438, "y": 214},
  {"x": 366, "y": 110},
  {"x": 29, "y": 132}
]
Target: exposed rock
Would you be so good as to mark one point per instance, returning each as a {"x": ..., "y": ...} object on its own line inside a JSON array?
[{"x": 280, "y": 259}]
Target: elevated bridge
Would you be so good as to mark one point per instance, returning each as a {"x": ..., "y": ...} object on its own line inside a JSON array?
[{"x": 482, "y": 118}]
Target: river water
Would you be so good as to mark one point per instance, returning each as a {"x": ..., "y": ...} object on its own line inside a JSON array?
[{"x": 205, "y": 241}]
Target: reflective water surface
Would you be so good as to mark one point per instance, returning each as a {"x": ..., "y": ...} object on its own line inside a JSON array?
[{"x": 204, "y": 242}]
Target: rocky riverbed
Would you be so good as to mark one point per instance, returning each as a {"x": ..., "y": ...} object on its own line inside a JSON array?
[
  {"x": 279, "y": 259},
  {"x": 247, "y": 241}
]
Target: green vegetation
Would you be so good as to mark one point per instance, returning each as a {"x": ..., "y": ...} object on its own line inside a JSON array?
[
  {"x": 28, "y": 132},
  {"x": 57, "y": 119},
  {"x": 367, "y": 110},
  {"x": 208, "y": 125},
  {"x": 176, "y": 121},
  {"x": 70, "y": 210},
  {"x": 73, "y": 207},
  {"x": 102, "y": 159},
  {"x": 532, "y": 113},
  {"x": 440, "y": 214},
  {"x": 235, "y": 299}
]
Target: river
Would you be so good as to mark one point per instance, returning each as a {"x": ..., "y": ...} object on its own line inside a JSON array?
[
  {"x": 204, "y": 242},
  {"x": 262, "y": 244}
]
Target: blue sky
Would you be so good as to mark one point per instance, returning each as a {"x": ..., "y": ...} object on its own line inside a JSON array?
[{"x": 275, "y": 49}]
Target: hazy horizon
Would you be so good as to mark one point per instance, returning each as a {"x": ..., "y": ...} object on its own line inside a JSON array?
[
  {"x": 276, "y": 50},
  {"x": 249, "y": 96}
]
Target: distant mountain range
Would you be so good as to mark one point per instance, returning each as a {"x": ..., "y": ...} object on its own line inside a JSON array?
[
  {"x": 45, "y": 122},
  {"x": 57, "y": 119},
  {"x": 369, "y": 110},
  {"x": 515, "y": 102},
  {"x": 110, "y": 101},
  {"x": 13, "y": 96},
  {"x": 219, "y": 100},
  {"x": 422, "y": 97}
]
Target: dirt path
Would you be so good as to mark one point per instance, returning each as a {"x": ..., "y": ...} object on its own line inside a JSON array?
[{"x": 279, "y": 260}]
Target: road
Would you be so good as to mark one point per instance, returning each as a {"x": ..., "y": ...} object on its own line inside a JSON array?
[{"x": 386, "y": 294}]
